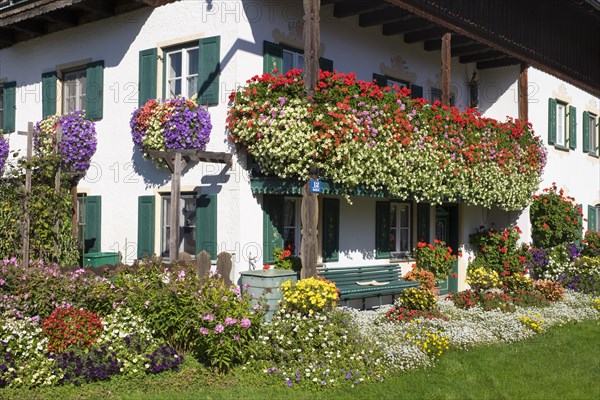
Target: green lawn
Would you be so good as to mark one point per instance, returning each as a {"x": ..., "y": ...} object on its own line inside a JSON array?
[{"x": 563, "y": 363}]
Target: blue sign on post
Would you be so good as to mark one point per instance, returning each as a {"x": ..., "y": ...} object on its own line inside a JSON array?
[{"x": 315, "y": 186}]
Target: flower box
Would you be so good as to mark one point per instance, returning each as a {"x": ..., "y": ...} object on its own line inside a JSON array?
[{"x": 265, "y": 283}]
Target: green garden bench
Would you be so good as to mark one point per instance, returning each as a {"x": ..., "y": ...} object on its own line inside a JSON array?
[{"x": 352, "y": 282}]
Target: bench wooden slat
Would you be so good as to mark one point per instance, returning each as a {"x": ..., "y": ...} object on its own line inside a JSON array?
[{"x": 346, "y": 278}]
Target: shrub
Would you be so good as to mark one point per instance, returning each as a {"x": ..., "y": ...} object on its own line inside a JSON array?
[
  {"x": 308, "y": 295},
  {"x": 493, "y": 300},
  {"x": 591, "y": 244},
  {"x": 555, "y": 219},
  {"x": 515, "y": 282},
  {"x": 401, "y": 314},
  {"x": 436, "y": 258},
  {"x": 83, "y": 366},
  {"x": 497, "y": 250},
  {"x": 318, "y": 350},
  {"x": 551, "y": 290},
  {"x": 417, "y": 299},
  {"x": 425, "y": 278},
  {"x": 482, "y": 279},
  {"x": 285, "y": 260},
  {"x": 71, "y": 327},
  {"x": 583, "y": 275}
]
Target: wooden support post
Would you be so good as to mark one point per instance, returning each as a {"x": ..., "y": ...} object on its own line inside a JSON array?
[
  {"x": 523, "y": 93},
  {"x": 446, "y": 59},
  {"x": 57, "y": 184},
  {"x": 312, "y": 38},
  {"x": 310, "y": 205},
  {"x": 174, "y": 211},
  {"x": 310, "y": 220},
  {"x": 27, "y": 192}
]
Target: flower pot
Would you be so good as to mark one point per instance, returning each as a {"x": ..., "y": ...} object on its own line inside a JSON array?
[{"x": 265, "y": 283}]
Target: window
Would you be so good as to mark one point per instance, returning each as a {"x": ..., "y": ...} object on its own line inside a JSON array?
[
  {"x": 81, "y": 89},
  {"x": 416, "y": 91},
  {"x": 182, "y": 71},
  {"x": 188, "y": 69},
  {"x": 436, "y": 95},
  {"x": 187, "y": 224},
  {"x": 562, "y": 125},
  {"x": 591, "y": 133},
  {"x": 292, "y": 225},
  {"x": 89, "y": 215},
  {"x": 400, "y": 226},
  {"x": 393, "y": 229},
  {"x": 8, "y": 107},
  {"x": 74, "y": 91},
  {"x": 594, "y": 218},
  {"x": 197, "y": 224},
  {"x": 292, "y": 59},
  {"x": 282, "y": 58}
]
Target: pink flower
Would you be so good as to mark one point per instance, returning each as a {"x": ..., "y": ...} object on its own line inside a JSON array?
[
  {"x": 230, "y": 321},
  {"x": 209, "y": 317},
  {"x": 245, "y": 323},
  {"x": 219, "y": 328},
  {"x": 204, "y": 331}
]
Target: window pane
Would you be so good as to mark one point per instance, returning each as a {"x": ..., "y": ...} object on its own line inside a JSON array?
[
  {"x": 560, "y": 124},
  {"x": 289, "y": 237},
  {"x": 192, "y": 85},
  {"x": 393, "y": 218},
  {"x": 174, "y": 87},
  {"x": 404, "y": 216},
  {"x": 192, "y": 56},
  {"x": 300, "y": 63},
  {"x": 174, "y": 65},
  {"x": 404, "y": 239},
  {"x": 288, "y": 61}
]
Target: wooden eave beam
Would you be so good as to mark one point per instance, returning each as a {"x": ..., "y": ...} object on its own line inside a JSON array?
[
  {"x": 34, "y": 28},
  {"x": 412, "y": 24},
  {"x": 481, "y": 56},
  {"x": 101, "y": 8},
  {"x": 457, "y": 41},
  {"x": 349, "y": 8},
  {"x": 469, "y": 49},
  {"x": 423, "y": 35},
  {"x": 383, "y": 16},
  {"x": 7, "y": 37},
  {"x": 66, "y": 18},
  {"x": 500, "y": 62}
]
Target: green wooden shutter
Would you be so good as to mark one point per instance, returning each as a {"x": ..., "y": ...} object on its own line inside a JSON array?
[
  {"x": 551, "y": 121},
  {"x": 572, "y": 127},
  {"x": 586, "y": 132},
  {"x": 147, "y": 76},
  {"x": 331, "y": 229},
  {"x": 272, "y": 57},
  {"x": 209, "y": 65},
  {"x": 423, "y": 222},
  {"x": 416, "y": 91},
  {"x": 382, "y": 229},
  {"x": 9, "y": 98},
  {"x": 591, "y": 219},
  {"x": 48, "y": 94},
  {"x": 272, "y": 226},
  {"x": 206, "y": 224},
  {"x": 326, "y": 64},
  {"x": 380, "y": 80},
  {"x": 579, "y": 211},
  {"x": 145, "y": 233},
  {"x": 94, "y": 90},
  {"x": 93, "y": 219}
]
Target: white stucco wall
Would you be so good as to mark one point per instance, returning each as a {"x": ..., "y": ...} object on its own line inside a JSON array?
[{"x": 120, "y": 175}]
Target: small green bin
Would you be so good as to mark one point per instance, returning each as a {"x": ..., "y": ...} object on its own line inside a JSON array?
[{"x": 100, "y": 259}]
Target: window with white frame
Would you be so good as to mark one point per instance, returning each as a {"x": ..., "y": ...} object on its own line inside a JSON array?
[
  {"x": 400, "y": 223},
  {"x": 292, "y": 224},
  {"x": 182, "y": 71},
  {"x": 591, "y": 138},
  {"x": 187, "y": 224},
  {"x": 292, "y": 59},
  {"x": 561, "y": 124},
  {"x": 74, "y": 90}
]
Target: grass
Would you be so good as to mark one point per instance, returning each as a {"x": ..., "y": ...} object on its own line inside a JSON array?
[{"x": 563, "y": 363}]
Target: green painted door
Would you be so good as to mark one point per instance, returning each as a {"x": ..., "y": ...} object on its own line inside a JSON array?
[{"x": 446, "y": 229}]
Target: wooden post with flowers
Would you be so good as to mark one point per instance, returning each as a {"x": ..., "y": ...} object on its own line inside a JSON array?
[
  {"x": 26, "y": 194},
  {"x": 310, "y": 205}
]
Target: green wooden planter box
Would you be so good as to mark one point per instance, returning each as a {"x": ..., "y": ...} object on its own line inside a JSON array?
[
  {"x": 264, "y": 283},
  {"x": 100, "y": 259}
]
